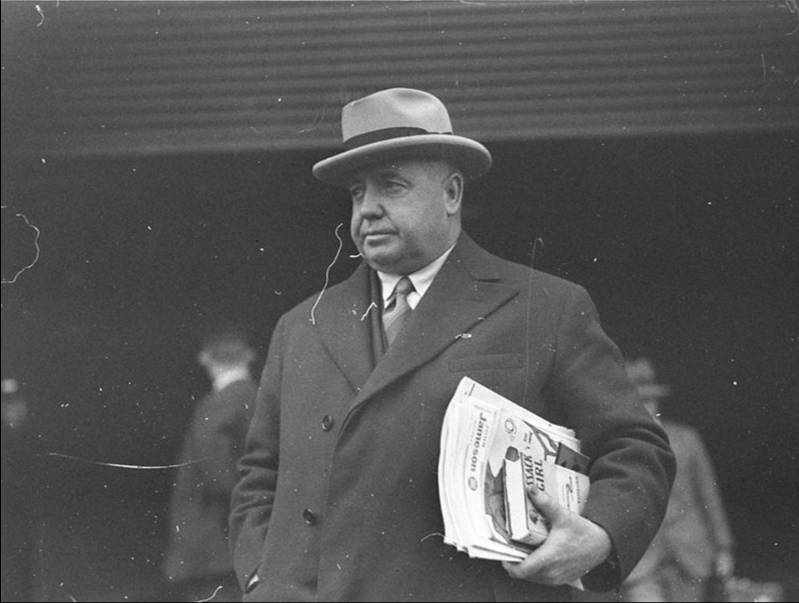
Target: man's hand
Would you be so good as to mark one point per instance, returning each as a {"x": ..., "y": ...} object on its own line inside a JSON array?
[{"x": 573, "y": 547}]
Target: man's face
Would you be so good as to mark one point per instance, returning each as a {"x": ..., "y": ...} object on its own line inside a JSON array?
[{"x": 405, "y": 213}]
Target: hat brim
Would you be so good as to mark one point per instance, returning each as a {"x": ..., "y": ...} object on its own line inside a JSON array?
[{"x": 468, "y": 155}]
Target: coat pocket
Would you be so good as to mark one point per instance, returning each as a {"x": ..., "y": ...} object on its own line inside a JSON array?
[
  {"x": 486, "y": 362},
  {"x": 502, "y": 373}
]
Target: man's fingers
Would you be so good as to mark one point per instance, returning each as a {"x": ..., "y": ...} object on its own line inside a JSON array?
[
  {"x": 544, "y": 503},
  {"x": 530, "y": 567},
  {"x": 535, "y": 568},
  {"x": 522, "y": 570},
  {"x": 511, "y": 568}
]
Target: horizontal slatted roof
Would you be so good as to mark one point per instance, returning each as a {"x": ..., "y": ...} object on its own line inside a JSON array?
[{"x": 157, "y": 77}]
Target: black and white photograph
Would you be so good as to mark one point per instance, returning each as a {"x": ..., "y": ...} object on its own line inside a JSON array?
[{"x": 443, "y": 300}]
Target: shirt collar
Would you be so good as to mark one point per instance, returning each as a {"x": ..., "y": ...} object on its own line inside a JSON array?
[
  {"x": 230, "y": 376},
  {"x": 421, "y": 279}
]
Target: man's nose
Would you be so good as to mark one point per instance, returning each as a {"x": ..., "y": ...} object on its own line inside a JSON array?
[{"x": 371, "y": 206}]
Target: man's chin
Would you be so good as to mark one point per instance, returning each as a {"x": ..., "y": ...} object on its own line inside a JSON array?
[{"x": 379, "y": 259}]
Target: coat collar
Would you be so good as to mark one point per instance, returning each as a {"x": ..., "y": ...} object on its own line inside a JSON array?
[
  {"x": 467, "y": 290},
  {"x": 343, "y": 324}
]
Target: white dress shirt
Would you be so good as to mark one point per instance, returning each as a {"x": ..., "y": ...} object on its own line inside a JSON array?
[{"x": 421, "y": 279}]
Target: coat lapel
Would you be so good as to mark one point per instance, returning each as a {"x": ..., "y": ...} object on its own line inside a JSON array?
[
  {"x": 465, "y": 291},
  {"x": 342, "y": 321}
]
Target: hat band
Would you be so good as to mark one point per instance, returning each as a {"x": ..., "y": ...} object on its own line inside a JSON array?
[{"x": 384, "y": 134}]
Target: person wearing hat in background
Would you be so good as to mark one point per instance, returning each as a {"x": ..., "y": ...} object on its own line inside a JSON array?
[
  {"x": 338, "y": 496},
  {"x": 198, "y": 559},
  {"x": 694, "y": 543}
]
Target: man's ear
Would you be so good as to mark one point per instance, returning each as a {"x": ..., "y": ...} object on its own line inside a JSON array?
[{"x": 453, "y": 192}]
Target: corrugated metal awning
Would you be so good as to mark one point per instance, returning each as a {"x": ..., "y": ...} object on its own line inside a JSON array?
[{"x": 156, "y": 77}]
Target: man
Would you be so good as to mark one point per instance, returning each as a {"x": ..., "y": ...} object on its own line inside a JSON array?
[
  {"x": 338, "y": 495},
  {"x": 695, "y": 542},
  {"x": 198, "y": 557}
]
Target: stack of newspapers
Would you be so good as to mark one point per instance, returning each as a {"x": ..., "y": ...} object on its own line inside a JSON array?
[{"x": 492, "y": 453}]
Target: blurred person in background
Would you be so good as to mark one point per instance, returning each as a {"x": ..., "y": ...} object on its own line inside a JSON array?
[
  {"x": 694, "y": 544},
  {"x": 198, "y": 557},
  {"x": 18, "y": 496}
]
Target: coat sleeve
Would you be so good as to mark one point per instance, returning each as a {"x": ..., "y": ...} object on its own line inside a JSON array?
[
  {"x": 254, "y": 493},
  {"x": 632, "y": 465}
]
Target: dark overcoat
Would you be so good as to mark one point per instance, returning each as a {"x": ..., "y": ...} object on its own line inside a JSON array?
[
  {"x": 338, "y": 495},
  {"x": 200, "y": 499}
]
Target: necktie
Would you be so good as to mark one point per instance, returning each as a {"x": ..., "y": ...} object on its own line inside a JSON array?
[{"x": 397, "y": 310}]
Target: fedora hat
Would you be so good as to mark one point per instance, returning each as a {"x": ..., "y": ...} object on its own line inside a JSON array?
[
  {"x": 400, "y": 122},
  {"x": 642, "y": 373}
]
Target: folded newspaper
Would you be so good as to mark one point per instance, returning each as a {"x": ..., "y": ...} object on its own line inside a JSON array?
[{"x": 492, "y": 452}]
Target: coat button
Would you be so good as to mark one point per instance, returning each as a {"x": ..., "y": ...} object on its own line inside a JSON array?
[
  {"x": 309, "y": 517},
  {"x": 327, "y": 423}
]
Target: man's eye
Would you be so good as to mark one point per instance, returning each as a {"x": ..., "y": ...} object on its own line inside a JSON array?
[
  {"x": 356, "y": 192},
  {"x": 394, "y": 186}
]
